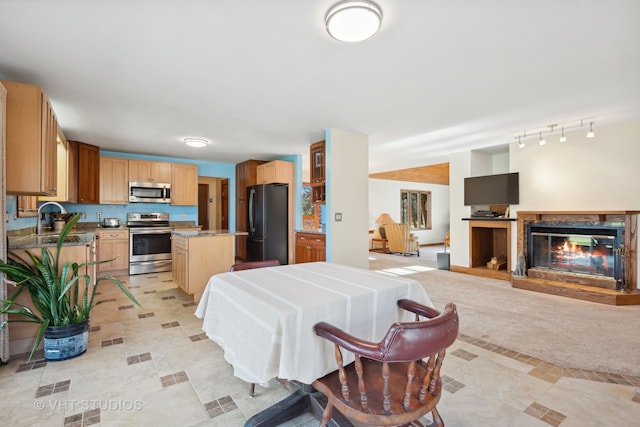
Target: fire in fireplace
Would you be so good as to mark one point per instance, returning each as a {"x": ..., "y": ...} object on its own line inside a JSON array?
[{"x": 583, "y": 250}]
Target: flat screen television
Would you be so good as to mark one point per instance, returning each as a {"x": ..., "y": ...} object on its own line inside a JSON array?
[{"x": 500, "y": 189}]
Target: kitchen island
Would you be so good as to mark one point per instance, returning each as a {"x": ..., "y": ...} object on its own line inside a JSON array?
[{"x": 199, "y": 254}]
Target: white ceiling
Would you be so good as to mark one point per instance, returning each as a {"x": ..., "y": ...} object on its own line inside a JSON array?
[{"x": 262, "y": 79}]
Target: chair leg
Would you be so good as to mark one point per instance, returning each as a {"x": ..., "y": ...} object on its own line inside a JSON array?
[
  {"x": 326, "y": 415},
  {"x": 437, "y": 419}
]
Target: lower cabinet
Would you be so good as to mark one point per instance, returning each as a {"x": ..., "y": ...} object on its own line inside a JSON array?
[
  {"x": 113, "y": 244},
  {"x": 197, "y": 257},
  {"x": 310, "y": 247},
  {"x": 23, "y": 334}
]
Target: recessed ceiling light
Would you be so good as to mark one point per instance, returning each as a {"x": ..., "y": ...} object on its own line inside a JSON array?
[
  {"x": 196, "y": 142},
  {"x": 353, "y": 21}
]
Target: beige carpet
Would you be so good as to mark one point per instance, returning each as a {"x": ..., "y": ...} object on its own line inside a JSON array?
[{"x": 567, "y": 332}]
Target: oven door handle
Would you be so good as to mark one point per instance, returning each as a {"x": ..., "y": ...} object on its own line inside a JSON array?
[{"x": 150, "y": 231}]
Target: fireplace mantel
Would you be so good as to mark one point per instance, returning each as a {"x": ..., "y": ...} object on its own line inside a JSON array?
[{"x": 556, "y": 283}]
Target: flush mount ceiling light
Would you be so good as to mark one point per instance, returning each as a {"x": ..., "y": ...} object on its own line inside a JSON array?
[
  {"x": 353, "y": 21},
  {"x": 196, "y": 142}
]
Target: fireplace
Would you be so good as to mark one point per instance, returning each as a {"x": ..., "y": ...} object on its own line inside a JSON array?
[
  {"x": 582, "y": 250},
  {"x": 586, "y": 255}
]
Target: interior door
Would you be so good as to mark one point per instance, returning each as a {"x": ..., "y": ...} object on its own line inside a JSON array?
[{"x": 203, "y": 206}]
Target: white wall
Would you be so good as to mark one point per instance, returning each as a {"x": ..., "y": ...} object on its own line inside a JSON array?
[
  {"x": 602, "y": 173},
  {"x": 384, "y": 196},
  {"x": 347, "y": 193}
]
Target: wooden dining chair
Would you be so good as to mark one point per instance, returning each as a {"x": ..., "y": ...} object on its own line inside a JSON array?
[
  {"x": 249, "y": 265},
  {"x": 393, "y": 382},
  {"x": 254, "y": 264}
]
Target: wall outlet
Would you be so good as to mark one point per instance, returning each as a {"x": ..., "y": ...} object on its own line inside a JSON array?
[
  {"x": 98, "y": 215},
  {"x": 83, "y": 215}
]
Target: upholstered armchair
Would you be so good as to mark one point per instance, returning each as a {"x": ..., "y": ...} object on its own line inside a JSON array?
[{"x": 401, "y": 240}]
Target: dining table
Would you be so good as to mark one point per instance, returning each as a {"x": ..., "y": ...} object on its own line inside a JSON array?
[{"x": 263, "y": 318}]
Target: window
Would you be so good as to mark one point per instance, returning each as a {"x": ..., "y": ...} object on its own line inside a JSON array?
[
  {"x": 310, "y": 210},
  {"x": 415, "y": 209}
]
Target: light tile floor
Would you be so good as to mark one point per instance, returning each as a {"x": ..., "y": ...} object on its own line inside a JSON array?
[{"x": 154, "y": 366}]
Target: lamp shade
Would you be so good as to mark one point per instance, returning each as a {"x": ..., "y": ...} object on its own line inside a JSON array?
[{"x": 384, "y": 218}]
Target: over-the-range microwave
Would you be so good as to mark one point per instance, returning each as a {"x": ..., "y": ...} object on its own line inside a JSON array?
[{"x": 149, "y": 192}]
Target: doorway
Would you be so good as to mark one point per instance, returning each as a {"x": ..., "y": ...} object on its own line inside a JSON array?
[{"x": 213, "y": 203}]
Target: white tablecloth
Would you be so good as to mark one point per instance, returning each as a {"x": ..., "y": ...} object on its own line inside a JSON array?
[{"x": 263, "y": 318}]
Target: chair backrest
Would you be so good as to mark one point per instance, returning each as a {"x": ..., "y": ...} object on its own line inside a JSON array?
[
  {"x": 254, "y": 264},
  {"x": 393, "y": 382},
  {"x": 398, "y": 237}
]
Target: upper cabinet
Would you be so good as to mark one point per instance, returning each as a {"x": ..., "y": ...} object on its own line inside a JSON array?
[
  {"x": 114, "y": 180},
  {"x": 62, "y": 180},
  {"x": 275, "y": 171},
  {"x": 149, "y": 171},
  {"x": 87, "y": 174},
  {"x": 31, "y": 133},
  {"x": 184, "y": 184},
  {"x": 318, "y": 171}
]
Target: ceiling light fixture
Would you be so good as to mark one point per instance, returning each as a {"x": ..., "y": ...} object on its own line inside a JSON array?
[
  {"x": 196, "y": 142},
  {"x": 551, "y": 129},
  {"x": 353, "y": 21}
]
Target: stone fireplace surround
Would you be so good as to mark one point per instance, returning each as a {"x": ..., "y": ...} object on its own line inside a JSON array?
[{"x": 576, "y": 285}]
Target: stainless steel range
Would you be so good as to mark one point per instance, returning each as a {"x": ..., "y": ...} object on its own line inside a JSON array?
[{"x": 149, "y": 242}]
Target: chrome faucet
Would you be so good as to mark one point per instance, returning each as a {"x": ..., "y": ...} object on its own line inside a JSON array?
[{"x": 39, "y": 224}]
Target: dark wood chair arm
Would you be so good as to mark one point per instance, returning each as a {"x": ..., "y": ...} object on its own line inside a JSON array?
[
  {"x": 417, "y": 308},
  {"x": 347, "y": 341}
]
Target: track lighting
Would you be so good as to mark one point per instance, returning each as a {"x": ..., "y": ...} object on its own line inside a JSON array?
[
  {"x": 551, "y": 129},
  {"x": 540, "y": 140}
]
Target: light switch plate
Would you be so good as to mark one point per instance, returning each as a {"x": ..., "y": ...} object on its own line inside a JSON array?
[{"x": 338, "y": 216}]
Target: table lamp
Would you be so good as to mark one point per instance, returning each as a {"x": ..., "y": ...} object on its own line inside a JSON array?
[{"x": 383, "y": 219}]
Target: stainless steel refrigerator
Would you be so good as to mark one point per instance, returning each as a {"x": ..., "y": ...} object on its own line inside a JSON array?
[{"x": 268, "y": 224}]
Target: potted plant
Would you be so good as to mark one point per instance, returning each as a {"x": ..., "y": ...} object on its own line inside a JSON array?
[{"x": 61, "y": 294}]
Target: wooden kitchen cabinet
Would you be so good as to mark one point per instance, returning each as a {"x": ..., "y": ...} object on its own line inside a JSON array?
[
  {"x": 278, "y": 171},
  {"x": 114, "y": 181},
  {"x": 31, "y": 132},
  {"x": 149, "y": 171},
  {"x": 62, "y": 173},
  {"x": 246, "y": 175},
  {"x": 113, "y": 244},
  {"x": 198, "y": 257},
  {"x": 88, "y": 173},
  {"x": 310, "y": 247},
  {"x": 317, "y": 171},
  {"x": 184, "y": 184}
]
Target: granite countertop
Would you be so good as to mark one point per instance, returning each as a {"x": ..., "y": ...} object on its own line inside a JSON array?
[
  {"x": 205, "y": 233},
  {"x": 30, "y": 241},
  {"x": 311, "y": 231}
]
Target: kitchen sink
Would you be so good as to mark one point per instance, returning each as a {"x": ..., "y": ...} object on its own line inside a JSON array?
[{"x": 54, "y": 238}]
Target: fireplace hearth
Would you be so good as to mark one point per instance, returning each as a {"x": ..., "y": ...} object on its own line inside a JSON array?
[{"x": 584, "y": 255}]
